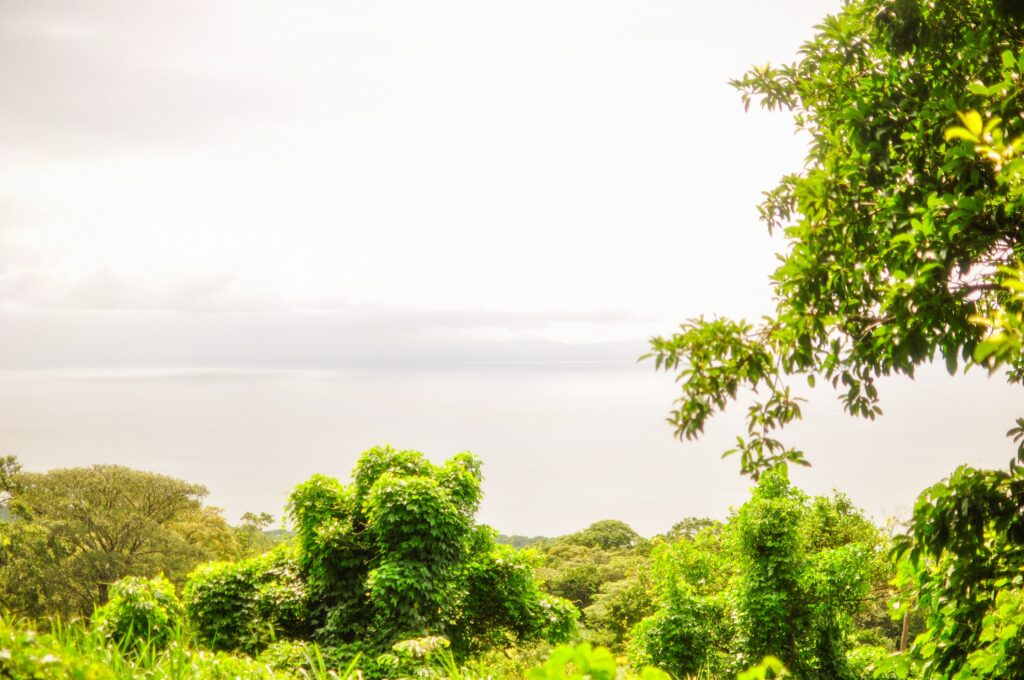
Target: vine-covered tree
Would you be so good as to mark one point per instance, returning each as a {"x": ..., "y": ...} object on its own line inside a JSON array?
[
  {"x": 393, "y": 555},
  {"x": 785, "y": 576}
]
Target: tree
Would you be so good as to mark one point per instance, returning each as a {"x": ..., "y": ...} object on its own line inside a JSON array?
[
  {"x": 78, "y": 530},
  {"x": 894, "y": 234},
  {"x": 688, "y": 528},
  {"x": 904, "y": 242},
  {"x": 784, "y": 576},
  {"x": 606, "y": 534},
  {"x": 393, "y": 555},
  {"x": 578, "y": 565},
  {"x": 252, "y": 535}
]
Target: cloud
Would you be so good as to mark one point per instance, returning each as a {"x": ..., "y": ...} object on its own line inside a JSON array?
[{"x": 130, "y": 76}]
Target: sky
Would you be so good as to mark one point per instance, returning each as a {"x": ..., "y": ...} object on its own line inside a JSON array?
[{"x": 402, "y": 196}]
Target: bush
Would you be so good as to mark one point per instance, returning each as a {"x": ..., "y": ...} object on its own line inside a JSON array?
[
  {"x": 247, "y": 605},
  {"x": 140, "y": 612},
  {"x": 865, "y": 660},
  {"x": 587, "y": 663},
  {"x": 394, "y": 555}
]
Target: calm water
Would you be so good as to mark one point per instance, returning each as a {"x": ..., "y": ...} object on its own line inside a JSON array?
[{"x": 563, "y": 445}]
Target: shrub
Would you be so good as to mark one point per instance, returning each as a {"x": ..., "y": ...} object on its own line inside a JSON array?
[
  {"x": 140, "y": 612},
  {"x": 866, "y": 660},
  {"x": 248, "y": 604},
  {"x": 394, "y": 555},
  {"x": 587, "y": 663}
]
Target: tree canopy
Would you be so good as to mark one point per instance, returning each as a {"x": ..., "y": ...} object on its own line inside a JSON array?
[
  {"x": 894, "y": 234},
  {"x": 76, "y": 531}
]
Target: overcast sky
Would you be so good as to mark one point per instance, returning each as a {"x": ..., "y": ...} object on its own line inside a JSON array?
[
  {"x": 563, "y": 171},
  {"x": 268, "y": 185}
]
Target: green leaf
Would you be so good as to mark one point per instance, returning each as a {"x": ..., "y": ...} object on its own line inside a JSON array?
[{"x": 972, "y": 121}]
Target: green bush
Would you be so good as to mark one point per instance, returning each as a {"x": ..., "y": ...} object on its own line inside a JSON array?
[
  {"x": 502, "y": 602},
  {"x": 584, "y": 662},
  {"x": 784, "y": 577},
  {"x": 248, "y": 604},
  {"x": 866, "y": 660},
  {"x": 394, "y": 555},
  {"x": 140, "y": 612}
]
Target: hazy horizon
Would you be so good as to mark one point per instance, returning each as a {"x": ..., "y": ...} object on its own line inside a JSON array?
[{"x": 563, "y": 444}]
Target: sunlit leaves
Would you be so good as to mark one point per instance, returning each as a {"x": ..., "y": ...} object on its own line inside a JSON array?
[{"x": 895, "y": 229}]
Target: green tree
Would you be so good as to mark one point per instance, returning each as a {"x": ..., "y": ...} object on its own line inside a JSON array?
[
  {"x": 251, "y": 535},
  {"x": 688, "y": 528},
  {"x": 393, "y": 555},
  {"x": 78, "y": 530},
  {"x": 894, "y": 234},
  {"x": 605, "y": 534},
  {"x": 785, "y": 576},
  {"x": 904, "y": 242}
]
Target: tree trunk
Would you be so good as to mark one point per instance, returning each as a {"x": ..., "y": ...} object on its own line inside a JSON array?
[{"x": 906, "y": 632}]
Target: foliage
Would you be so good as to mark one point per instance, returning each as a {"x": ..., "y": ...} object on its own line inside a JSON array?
[
  {"x": 688, "y": 528},
  {"x": 247, "y": 604},
  {"x": 769, "y": 667},
  {"x": 584, "y": 662},
  {"x": 869, "y": 661},
  {"x": 78, "y": 530},
  {"x": 618, "y": 607},
  {"x": 140, "y": 610},
  {"x": 393, "y": 555},
  {"x": 307, "y": 659},
  {"x": 693, "y": 627},
  {"x": 517, "y": 541},
  {"x": 966, "y": 559},
  {"x": 773, "y": 613},
  {"x": 74, "y": 651},
  {"x": 502, "y": 602},
  {"x": 903, "y": 245},
  {"x": 784, "y": 577},
  {"x": 576, "y": 566},
  {"x": 9, "y": 469},
  {"x": 605, "y": 534},
  {"x": 26, "y": 655},
  {"x": 894, "y": 233}
]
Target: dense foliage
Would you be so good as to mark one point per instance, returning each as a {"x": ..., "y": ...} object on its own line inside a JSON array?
[
  {"x": 786, "y": 576},
  {"x": 248, "y": 604},
  {"x": 75, "y": 531},
  {"x": 904, "y": 242},
  {"x": 393, "y": 555},
  {"x": 140, "y": 610}
]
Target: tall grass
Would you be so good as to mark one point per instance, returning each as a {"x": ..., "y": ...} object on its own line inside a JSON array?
[{"x": 75, "y": 642}]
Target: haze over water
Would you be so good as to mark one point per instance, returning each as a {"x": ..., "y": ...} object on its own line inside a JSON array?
[{"x": 563, "y": 444}]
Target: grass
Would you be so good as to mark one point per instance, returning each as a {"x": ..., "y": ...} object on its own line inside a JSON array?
[{"x": 75, "y": 651}]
